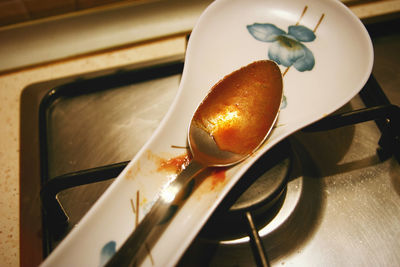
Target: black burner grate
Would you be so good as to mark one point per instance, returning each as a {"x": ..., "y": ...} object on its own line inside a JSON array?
[{"x": 386, "y": 115}]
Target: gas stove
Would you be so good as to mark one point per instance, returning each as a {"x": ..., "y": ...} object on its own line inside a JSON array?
[{"x": 327, "y": 195}]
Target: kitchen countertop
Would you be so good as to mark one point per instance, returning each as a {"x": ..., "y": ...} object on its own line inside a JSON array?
[{"x": 12, "y": 84}]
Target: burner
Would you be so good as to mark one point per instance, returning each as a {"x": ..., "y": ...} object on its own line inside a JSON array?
[
  {"x": 254, "y": 203},
  {"x": 260, "y": 193},
  {"x": 272, "y": 211}
]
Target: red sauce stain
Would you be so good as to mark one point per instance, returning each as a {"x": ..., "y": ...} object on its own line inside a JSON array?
[
  {"x": 175, "y": 164},
  {"x": 218, "y": 176},
  {"x": 133, "y": 171}
]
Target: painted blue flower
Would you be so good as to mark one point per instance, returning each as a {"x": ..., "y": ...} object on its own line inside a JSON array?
[{"x": 287, "y": 48}]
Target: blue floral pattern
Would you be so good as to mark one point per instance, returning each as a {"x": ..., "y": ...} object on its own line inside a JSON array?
[
  {"x": 107, "y": 252},
  {"x": 287, "y": 48}
]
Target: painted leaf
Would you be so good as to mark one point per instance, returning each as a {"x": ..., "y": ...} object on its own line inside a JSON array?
[
  {"x": 306, "y": 62},
  {"x": 284, "y": 102},
  {"x": 301, "y": 33},
  {"x": 286, "y": 51},
  {"x": 265, "y": 32},
  {"x": 107, "y": 252}
]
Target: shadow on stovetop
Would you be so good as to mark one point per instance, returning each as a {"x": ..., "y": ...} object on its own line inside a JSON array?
[
  {"x": 305, "y": 195},
  {"x": 330, "y": 148},
  {"x": 395, "y": 177}
]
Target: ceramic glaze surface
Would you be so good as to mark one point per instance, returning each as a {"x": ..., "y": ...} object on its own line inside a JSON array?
[{"x": 325, "y": 55}]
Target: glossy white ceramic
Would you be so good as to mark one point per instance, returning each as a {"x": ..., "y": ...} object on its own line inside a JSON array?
[{"x": 329, "y": 57}]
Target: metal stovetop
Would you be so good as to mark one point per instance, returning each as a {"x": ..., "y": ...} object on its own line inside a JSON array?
[{"x": 341, "y": 206}]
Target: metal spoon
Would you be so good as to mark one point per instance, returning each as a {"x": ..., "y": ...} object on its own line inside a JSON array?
[{"x": 228, "y": 126}]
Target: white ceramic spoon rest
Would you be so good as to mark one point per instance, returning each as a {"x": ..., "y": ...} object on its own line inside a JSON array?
[{"x": 326, "y": 56}]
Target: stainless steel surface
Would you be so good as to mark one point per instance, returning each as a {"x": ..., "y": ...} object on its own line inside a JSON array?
[
  {"x": 103, "y": 128},
  {"x": 342, "y": 203},
  {"x": 204, "y": 144},
  {"x": 106, "y": 127}
]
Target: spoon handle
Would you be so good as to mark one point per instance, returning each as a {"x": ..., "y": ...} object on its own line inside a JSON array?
[{"x": 145, "y": 235}]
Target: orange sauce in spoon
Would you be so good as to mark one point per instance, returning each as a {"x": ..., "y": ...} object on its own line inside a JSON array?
[{"x": 241, "y": 108}]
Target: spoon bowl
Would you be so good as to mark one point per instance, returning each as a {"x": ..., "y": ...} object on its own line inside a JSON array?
[
  {"x": 318, "y": 79},
  {"x": 237, "y": 115}
]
